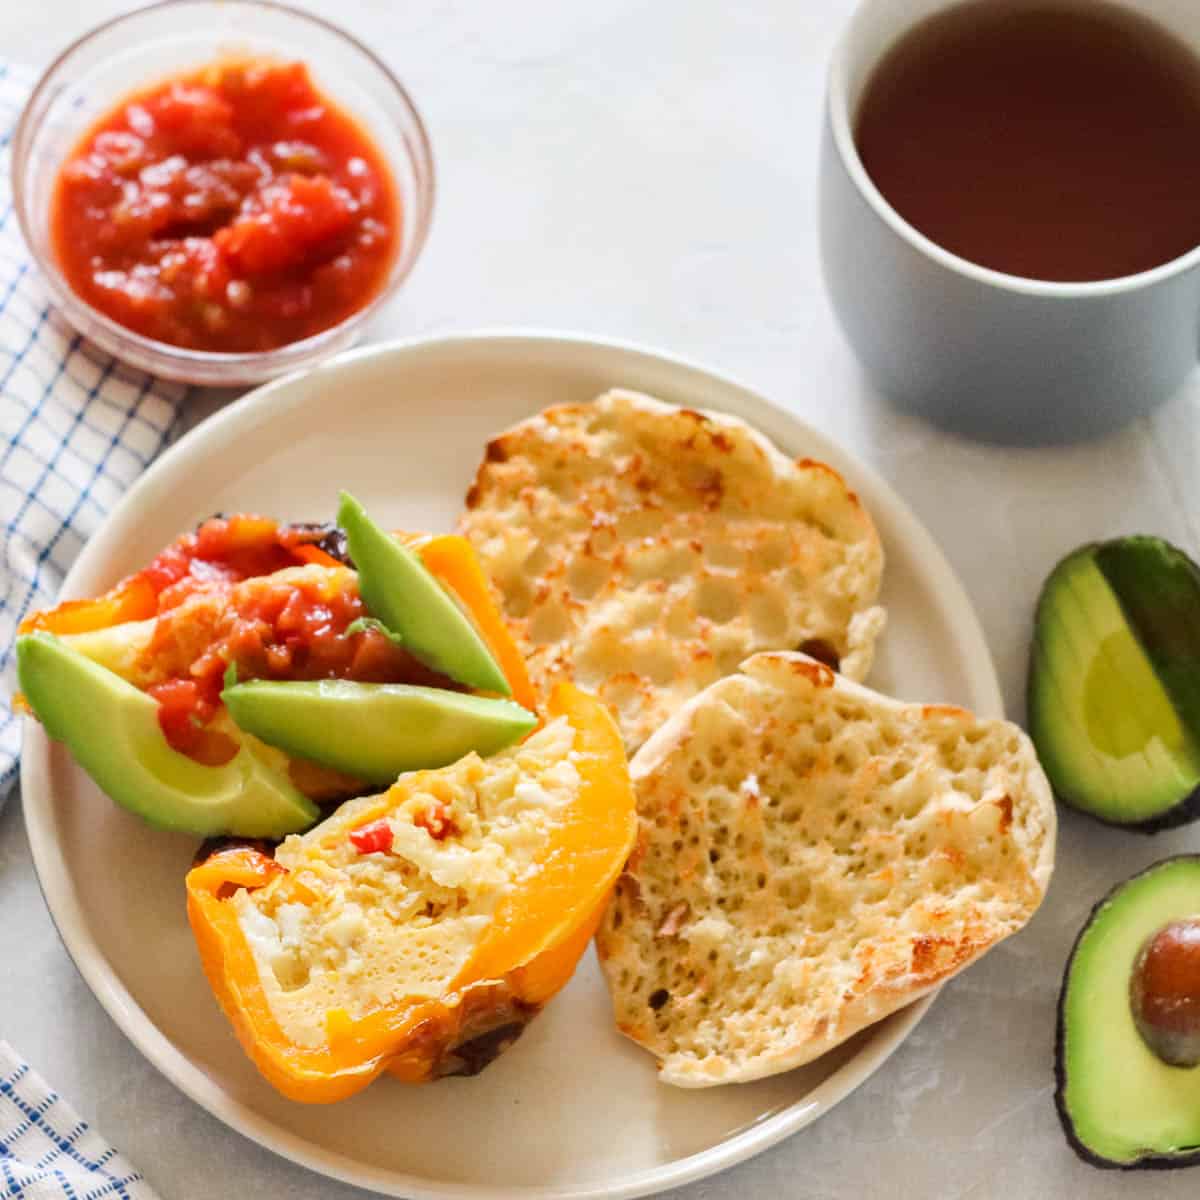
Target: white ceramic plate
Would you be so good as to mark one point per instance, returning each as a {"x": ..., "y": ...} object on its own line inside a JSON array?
[{"x": 573, "y": 1110}]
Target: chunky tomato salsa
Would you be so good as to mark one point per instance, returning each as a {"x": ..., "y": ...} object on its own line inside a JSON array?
[
  {"x": 219, "y": 600},
  {"x": 235, "y": 208}
]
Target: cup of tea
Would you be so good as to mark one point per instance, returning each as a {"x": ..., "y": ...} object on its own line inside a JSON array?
[{"x": 1010, "y": 208}]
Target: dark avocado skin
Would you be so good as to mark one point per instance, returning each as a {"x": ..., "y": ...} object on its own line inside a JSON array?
[
  {"x": 1184, "y": 812},
  {"x": 1123, "y": 562},
  {"x": 1158, "y": 589},
  {"x": 1167, "y": 624},
  {"x": 1150, "y": 1162}
]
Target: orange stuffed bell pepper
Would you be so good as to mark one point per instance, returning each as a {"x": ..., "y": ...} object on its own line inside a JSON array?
[{"x": 418, "y": 931}]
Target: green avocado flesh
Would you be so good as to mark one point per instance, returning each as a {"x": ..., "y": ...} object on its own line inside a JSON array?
[
  {"x": 375, "y": 731},
  {"x": 112, "y": 730},
  {"x": 1119, "y": 1102},
  {"x": 1114, "y": 682},
  {"x": 397, "y": 588}
]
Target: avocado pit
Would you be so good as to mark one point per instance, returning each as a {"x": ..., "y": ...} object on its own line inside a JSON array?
[{"x": 1164, "y": 992}]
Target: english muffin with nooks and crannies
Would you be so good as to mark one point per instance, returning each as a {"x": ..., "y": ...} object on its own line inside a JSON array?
[
  {"x": 642, "y": 551},
  {"x": 812, "y": 856}
]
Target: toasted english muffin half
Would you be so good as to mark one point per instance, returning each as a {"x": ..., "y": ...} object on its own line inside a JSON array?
[
  {"x": 642, "y": 551},
  {"x": 811, "y": 857}
]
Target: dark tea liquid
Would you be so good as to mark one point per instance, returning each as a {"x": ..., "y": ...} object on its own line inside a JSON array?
[{"x": 1051, "y": 140}]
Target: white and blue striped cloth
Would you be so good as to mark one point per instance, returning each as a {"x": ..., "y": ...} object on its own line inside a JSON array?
[
  {"x": 76, "y": 429},
  {"x": 47, "y": 1152}
]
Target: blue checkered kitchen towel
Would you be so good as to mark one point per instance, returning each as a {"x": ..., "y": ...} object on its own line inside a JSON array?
[
  {"x": 76, "y": 429},
  {"x": 47, "y": 1152}
]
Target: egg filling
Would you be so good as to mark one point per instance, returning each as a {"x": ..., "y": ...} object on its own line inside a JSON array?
[{"x": 387, "y": 899}]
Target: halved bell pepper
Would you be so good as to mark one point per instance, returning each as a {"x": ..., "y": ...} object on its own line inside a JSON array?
[{"x": 525, "y": 954}]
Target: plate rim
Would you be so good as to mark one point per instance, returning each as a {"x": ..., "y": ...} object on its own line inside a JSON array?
[{"x": 160, "y": 1051}]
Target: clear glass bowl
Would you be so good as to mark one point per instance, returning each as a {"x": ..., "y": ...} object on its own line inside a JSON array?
[{"x": 169, "y": 37}]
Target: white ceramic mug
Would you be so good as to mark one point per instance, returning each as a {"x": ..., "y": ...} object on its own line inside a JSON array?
[{"x": 985, "y": 353}]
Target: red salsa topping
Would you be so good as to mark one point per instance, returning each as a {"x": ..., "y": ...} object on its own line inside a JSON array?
[
  {"x": 273, "y": 629},
  {"x": 235, "y": 208}
]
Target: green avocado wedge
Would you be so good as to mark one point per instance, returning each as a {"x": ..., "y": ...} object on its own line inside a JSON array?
[
  {"x": 375, "y": 731},
  {"x": 397, "y": 588},
  {"x": 112, "y": 730},
  {"x": 1119, "y": 1103},
  {"x": 1114, "y": 683}
]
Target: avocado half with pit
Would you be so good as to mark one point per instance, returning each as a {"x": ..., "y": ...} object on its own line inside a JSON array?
[
  {"x": 112, "y": 730},
  {"x": 1128, "y": 1043},
  {"x": 1114, "y": 683}
]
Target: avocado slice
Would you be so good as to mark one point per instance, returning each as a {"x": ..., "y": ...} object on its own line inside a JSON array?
[
  {"x": 398, "y": 589},
  {"x": 375, "y": 731},
  {"x": 112, "y": 730},
  {"x": 1114, "y": 683},
  {"x": 1120, "y": 1104}
]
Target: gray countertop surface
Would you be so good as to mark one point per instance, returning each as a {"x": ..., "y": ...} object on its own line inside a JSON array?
[{"x": 646, "y": 170}]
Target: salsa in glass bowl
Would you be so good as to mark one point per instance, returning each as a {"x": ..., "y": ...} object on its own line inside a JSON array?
[{"x": 243, "y": 210}]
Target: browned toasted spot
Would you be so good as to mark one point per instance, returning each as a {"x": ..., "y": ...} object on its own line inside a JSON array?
[
  {"x": 926, "y": 951},
  {"x": 866, "y": 954},
  {"x": 498, "y": 450},
  {"x": 816, "y": 673},
  {"x": 929, "y": 711},
  {"x": 1005, "y": 805},
  {"x": 815, "y": 464},
  {"x": 954, "y": 856},
  {"x": 708, "y": 485}
]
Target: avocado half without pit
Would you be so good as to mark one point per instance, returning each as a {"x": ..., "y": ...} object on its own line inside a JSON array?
[
  {"x": 1114, "y": 683},
  {"x": 1128, "y": 1045}
]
